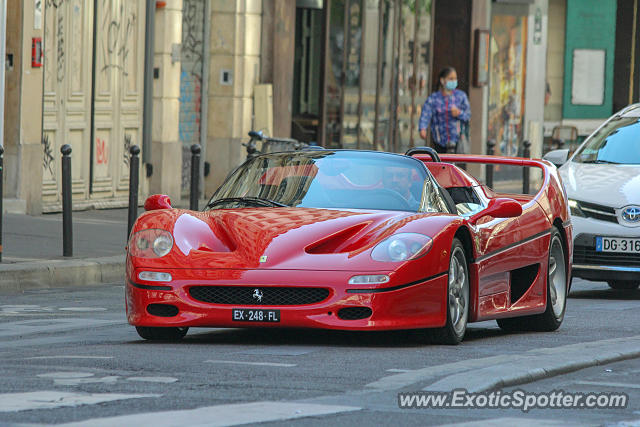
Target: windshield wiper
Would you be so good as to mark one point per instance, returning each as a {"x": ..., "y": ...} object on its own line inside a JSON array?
[
  {"x": 256, "y": 201},
  {"x": 598, "y": 161}
]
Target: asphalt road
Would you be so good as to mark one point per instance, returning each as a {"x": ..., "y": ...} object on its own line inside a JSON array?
[{"x": 68, "y": 357}]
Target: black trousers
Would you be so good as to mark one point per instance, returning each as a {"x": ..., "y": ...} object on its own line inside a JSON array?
[{"x": 440, "y": 149}]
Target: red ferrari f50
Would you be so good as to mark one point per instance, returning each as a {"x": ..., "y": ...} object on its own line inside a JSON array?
[{"x": 353, "y": 240}]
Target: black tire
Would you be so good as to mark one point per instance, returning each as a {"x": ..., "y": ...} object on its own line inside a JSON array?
[
  {"x": 557, "y": 281},
  {"x": 161, "y": 334},
  {"x": 623, "y": 285},
  {"x": 457, "y": 299}
]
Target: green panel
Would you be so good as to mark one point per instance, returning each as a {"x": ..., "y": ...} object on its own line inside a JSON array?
[{"x": 591, "y": 24}]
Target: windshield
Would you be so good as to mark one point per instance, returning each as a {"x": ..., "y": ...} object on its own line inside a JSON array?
[
  {"x": 331, "y": 179},
  {"x": 618, "y": 141}
]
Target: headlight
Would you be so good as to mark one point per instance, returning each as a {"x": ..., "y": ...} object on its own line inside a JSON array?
[
  {"x": 402, "y": 247},
  {"x": 151, "y": 243},
  {"x": 574, "y": 207},
  {"x": 369, "y": 279},
  {"x": 154, "y": 276}
]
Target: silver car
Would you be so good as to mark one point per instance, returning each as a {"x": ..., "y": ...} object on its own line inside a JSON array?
[{"x": 602, "y": 179}]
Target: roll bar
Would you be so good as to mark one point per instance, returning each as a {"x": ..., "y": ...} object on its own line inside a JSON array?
[{"x": 423, "y": 150}]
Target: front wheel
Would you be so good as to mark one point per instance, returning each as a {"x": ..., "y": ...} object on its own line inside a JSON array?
[
  {"x": 457, "y": 299},
  {"x": 623, "y": 285},
  {"x": 161, "y": 334}
]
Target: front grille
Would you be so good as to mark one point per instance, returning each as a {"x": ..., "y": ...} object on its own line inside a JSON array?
[
  {"x": 601, "y": 212},
  {"x": 588, "y": 255},
  {"x": 252, "y": 295},
  {"x": 162, "y": 310},
  {"x": 354, "y": 313}
]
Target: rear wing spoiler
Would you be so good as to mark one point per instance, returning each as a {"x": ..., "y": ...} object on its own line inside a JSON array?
[{"x": 548, "y": 169}]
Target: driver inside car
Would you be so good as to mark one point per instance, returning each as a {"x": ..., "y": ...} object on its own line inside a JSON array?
[{"x": 398, "y": 179}]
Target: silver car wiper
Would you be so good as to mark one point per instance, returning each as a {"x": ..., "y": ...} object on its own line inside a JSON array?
[{"x": 599, "y": 161}]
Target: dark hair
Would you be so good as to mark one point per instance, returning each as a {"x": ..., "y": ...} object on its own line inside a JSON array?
[{"x": 444, "y": 73}]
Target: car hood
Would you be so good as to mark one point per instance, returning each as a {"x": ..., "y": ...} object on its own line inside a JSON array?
[
  {"x": 283, "y": 238},
  {"x": 604, "y": 184}
]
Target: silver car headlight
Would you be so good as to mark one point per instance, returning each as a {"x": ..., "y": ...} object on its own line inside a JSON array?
[
  {"x": 150, "y": 243},
  {"x": 402, "y": 247},
  {"x": 574, "y": 207}
]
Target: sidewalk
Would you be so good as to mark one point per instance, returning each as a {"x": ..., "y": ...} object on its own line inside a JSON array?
[{"x": 32, "y": 250}]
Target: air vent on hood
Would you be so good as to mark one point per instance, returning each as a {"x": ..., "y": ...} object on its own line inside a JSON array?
[{"x": 342, "y": 241}]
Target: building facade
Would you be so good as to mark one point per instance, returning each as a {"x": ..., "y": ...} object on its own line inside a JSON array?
[
  {"x": 341, "y": 73},
  {"x": 593, "y": 64}
]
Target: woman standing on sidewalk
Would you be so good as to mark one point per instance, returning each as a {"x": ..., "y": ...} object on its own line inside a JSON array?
[{"x": 445, "y": 112}]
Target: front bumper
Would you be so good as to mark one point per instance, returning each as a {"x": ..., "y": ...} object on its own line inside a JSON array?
[
  {"x": 602, "y": 266},
  {"x": 418, "y": 304}
]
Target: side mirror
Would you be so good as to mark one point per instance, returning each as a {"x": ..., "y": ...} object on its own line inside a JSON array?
[
  {"x": 557, "y": 157},
  {"x": 501, "y": 207},
  {"x": 157, "y": 201}
]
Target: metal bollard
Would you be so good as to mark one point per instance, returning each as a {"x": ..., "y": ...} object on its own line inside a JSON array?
[
  {"x": 67, "y": 222},
  {"x": 489, "y": 168},
  {"x": 1, "y": 195},
  {"x": 134, "y": 165},
  {"x": 525, "y": 169},
  {"x": 195, "y": 177}
]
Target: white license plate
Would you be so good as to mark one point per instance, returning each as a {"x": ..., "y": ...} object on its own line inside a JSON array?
[
  {"x": 255, "y": 315},
  {"x": 618, "y": 244}
]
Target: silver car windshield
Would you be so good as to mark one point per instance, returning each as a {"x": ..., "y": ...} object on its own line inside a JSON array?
[
  {"x": 331, "y": 179},
  {"x": 617, "y": 142}
]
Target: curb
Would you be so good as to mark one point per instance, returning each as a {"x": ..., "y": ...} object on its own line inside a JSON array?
[
  {"x": 61, "y": 273},
  {"x": 505, "y": 370},
  {"x": 539, "y": 364}
]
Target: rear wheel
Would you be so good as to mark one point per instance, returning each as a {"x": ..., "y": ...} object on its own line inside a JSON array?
[
  {"x": 553, "y": 315},
  {"x": 457, "y": 299},
  {"x": 623, "y": 285},
  {"x": 161, "y": 334}
]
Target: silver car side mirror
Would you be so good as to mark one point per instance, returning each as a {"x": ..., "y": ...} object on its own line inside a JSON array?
[{"x": 557, "y": 157}]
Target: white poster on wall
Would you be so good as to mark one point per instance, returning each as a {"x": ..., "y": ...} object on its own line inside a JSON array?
[{"x": 587, "y": 86}]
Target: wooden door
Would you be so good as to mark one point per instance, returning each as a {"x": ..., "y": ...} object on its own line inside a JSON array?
[
  {"x": 86, "y": 46},
  {"x": 66, "y": 97}
]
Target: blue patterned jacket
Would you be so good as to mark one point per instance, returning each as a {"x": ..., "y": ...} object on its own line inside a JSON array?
[{"x": 436, "y": 113}]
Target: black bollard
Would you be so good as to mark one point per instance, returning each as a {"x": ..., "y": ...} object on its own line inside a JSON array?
[
  {"x": 489, "y": 168},
  {"x": 67, "y": 223},
  {"x": 195, "y": 177},
  {"x": 134, "y": 165},
  {"x": 525, "y": 170},
  {"x": 1, "y": 195}
]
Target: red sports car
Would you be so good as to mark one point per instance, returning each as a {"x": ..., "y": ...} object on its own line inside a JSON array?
[{"x": 353, "y": 240}]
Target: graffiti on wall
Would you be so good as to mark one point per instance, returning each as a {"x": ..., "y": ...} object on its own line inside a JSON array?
[
  {"x": 191, "y": 81},
  {"x": 190, "y": 98},
  {"x": 117, "y": 26},
  {"x": 47, "y": 149},
  {"x": 101, "y": 152},
  {"x": 60, "y": 47},
  {"x": 192, "y": 43},
  {"x": 127, "y": 146},
  {"x": 53, "y": 3}
]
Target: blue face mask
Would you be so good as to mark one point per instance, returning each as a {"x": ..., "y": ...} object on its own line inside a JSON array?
[{"x": 451, "y": 84}]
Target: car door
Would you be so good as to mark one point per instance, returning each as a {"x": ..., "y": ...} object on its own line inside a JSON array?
[
  {"x": 511, "y": 262},
  {"x": 498, "y": 254}
]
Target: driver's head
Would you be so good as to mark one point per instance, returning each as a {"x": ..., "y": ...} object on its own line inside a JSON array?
[{"x": 398, "y": 179}]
